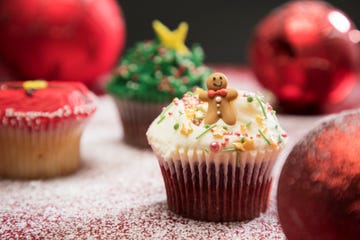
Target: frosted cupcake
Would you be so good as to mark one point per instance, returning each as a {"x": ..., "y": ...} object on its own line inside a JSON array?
[
  {"x": 216, "y": 150},
  {"x": 150, "y": 75},
  {"x": 40, "y": 127}
]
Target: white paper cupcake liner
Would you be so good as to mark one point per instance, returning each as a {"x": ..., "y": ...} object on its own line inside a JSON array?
[
  {"x": 220, "y": 187},
  {"x": 136, "y": 117},
  {"x": 44, "y": 153}
]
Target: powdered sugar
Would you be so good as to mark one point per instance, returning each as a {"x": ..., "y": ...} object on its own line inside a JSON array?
[{"x": 117, "y": 193}]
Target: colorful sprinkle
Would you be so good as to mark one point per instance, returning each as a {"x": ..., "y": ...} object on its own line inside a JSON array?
[{"x": 214, "y": 146}]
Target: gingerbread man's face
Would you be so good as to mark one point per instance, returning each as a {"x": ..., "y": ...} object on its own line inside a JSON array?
[{"x": 216, "y": 81}]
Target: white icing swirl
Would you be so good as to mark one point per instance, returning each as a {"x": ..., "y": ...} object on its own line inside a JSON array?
[{"x": 181, "y": 127}]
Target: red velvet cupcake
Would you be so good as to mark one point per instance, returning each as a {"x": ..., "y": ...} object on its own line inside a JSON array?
[
  {"x": 40, "y": 127},
  {"x": 216, "y": 150}
]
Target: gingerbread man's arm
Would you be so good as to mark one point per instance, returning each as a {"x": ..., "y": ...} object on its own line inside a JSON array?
[
  {"x": 203, "y": 96},
  {"x": 231, "y": 94}
]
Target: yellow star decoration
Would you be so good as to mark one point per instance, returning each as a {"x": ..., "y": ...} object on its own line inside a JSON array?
[{"x": 172, "y": 39}]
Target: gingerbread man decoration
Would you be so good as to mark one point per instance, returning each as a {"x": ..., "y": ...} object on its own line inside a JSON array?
[{"x": 219, "y": 99}]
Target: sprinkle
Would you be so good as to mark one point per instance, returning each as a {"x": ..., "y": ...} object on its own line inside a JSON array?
[
  {"x": 163, "y": 114},
  {"x": 186, "y": 129},
  {"x": 280, "y": 139},
  {"x": 250, "y": 99},
  {"x": 208, "y": 128},
  {"x": 248, "y": 124},
  {"x": 214, "y": 146},
  {"x": 264, "y": 137},
  {"x": 176, "y": 126},
  {"x": 229, "y": 149},
  {"x": 259, "y": 120},
  {"x": 261, "y": 105}
]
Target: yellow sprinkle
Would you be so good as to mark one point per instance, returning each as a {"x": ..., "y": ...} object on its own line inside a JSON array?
[
  {"x": 189, "y": 113},
  {"x": 243, "y": 128},
  {"x": 218, "y": 132},
  {"x": 239, "y": 146},
  {"x": 259, "y": 120},
  {"x": 265, "y": 130},
  {"x": 186, "y": 128},
  {"x": 247, "y": 145},
  {"x": 35, "y": 84}
]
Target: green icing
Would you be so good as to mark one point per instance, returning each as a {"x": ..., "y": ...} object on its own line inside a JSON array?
[{"x": 152, "y": 73}]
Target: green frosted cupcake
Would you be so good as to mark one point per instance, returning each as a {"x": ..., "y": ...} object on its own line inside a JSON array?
[{"x": 150, "y": 75}]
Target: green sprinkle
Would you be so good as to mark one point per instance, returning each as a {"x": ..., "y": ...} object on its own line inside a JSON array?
[
  {"x": 242, "y": 139},
  {"x": 176, "y": 126},
  {"x": 276, "y": 127},
  {"x": 161, "y": 118},
  {"x": 207, "y": 126},
  {"x": 280, "y": 139},
  {"x": 264, "y": 137},
  {"x": 163, "y": 114},
  {"x": 225, "y": 127},
  {"x": 229, "y": 149},
  {"x": 261, "y": 105},
  {"x": 248, "y": 124},
  {"x": 250, "y": 99},
  {"x": 206, "y": 150},
  {"x": 207, "y": 130}
]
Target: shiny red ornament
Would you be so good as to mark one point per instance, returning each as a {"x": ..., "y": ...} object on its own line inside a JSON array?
[
  {"x": 305, "y": 53},
  {"x": 319, "y": 187},
  {"x": 60, "y": 39}
]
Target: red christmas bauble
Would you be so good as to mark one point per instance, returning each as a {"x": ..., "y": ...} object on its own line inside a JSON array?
[
  {"x": 319, "y": 187},
  {"x": 304, "y": 53},
  {"x": 60, "y": 39}
]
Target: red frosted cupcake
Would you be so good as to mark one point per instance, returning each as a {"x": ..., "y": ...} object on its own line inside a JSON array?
[
  {"x": 40, "y": 127},
  {"x": 216, "y": 150}
]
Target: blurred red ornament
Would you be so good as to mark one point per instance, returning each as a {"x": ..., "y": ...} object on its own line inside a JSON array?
[
  {"x": 319, "y": 187},
  {"x": 60, "y": 39},
  {"x": 306, "y": 54}
]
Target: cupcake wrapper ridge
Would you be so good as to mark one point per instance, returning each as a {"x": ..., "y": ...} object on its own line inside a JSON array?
[
  {"x": 233, "y": 189},
  {"x": 136, "y": 117},
  {"x": 33, "y": 154}
]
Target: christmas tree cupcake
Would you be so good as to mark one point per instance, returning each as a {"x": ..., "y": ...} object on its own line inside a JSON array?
[
  {"x": 150, "y": 75},
  {"x": 216, "y": 150},
  {"x": 41, "y": 124}
]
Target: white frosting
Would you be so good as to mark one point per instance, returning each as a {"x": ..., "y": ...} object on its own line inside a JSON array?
[{"x": 180, "y": 128}]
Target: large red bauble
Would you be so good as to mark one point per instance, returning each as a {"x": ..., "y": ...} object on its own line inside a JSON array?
[
  {"x": 319, "y": 187},
  {"x": 305, "y": 54},
  {"x": 60, "y": 39}
]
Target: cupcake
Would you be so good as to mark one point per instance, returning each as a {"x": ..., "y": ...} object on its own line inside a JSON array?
[
  {"x": 216, "y": 150},
  {"x": 40, "y": 127},
  {"x": 150, "y": 75}
]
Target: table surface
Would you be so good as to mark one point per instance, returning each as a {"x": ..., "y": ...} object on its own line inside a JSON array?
[{"x": 118, "y": 191}]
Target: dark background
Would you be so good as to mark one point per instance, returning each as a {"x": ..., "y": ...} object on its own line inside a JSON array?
[{"x": 223, "y": 28}]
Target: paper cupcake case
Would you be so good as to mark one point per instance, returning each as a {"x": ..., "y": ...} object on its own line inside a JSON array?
[
  {"x": 222, "y": 187},
  {"x": 44, "y": 153},
  {"x": 136, "y": 117}
]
